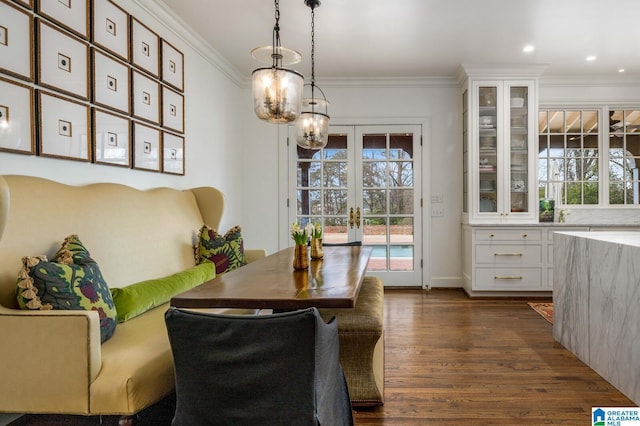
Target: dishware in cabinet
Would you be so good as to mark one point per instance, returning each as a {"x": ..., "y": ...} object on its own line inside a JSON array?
[{"x": 499, "y": 151}]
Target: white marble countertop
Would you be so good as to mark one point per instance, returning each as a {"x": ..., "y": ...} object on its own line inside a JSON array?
[
  {"x": 628, "y": 238},
  {"x": 554, "y": 225}
]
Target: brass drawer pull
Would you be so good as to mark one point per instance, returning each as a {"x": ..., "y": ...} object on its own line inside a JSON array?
[
  {"x": 512, "y": 277},
  {"x": 507, "y": 254}
]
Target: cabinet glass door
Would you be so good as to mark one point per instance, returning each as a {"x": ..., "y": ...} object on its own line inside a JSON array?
[
  {"x": 519, "y": 149},
  {"x": 488, "y": 149}
]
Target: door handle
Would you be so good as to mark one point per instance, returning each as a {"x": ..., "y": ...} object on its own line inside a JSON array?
[
  {"x": 351, "y": 220},
  {"x": 358, "y": 217}
]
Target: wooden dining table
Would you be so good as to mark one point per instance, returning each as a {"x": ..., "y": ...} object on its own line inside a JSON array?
[{"x": 272, "y": 283}]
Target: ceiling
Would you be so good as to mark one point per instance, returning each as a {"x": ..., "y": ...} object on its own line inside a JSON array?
[{"x": 384, "y": 39}]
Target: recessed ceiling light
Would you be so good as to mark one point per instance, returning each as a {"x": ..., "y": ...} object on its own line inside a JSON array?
[
  {"x": 621, "y": 70},
  {"x": 528, "y": 48},
  {"x": 591, "y": 58}
]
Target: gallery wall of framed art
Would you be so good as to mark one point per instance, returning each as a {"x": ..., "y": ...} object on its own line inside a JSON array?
[{"x": 85, "y": 80}]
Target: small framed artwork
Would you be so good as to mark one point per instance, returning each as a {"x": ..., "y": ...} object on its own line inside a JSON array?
[
  {"x": 64, "y": 128},
  {"x": 172, "y": 110},
  {"x": 145, "y": 44},
  {"x": 172, "y": 154},
  {"x": 72, "y": 15},
  {"x": 63, "y": 61},
  {"x": 146, "y": 98},
  {"x": 26, "y": 3},
  {"x": 16, "y": 118},
  {"x": 146, "y": 147},
  {"x": 172, "y": 66},
  {"x": 111, "y": 28},
  {"x": 111, "y": 139},
  {"x": 16, "y": 41},
  {"x": 111, "y": 82}
]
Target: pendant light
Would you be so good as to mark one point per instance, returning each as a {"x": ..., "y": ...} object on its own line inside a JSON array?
[
  {"x": 312, "y": 127},
  {"x": 277, "y": 91}
]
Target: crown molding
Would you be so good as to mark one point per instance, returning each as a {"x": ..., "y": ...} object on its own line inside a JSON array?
[
  {"x": 391, "y": 82},
  {"x": 182, "y": 30},
  {"x": 499, "y": 70},
  {"x": 589, "y": 81}
]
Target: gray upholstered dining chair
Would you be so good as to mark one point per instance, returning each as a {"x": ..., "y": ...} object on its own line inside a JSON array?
[{"x": 280, "y": 369}]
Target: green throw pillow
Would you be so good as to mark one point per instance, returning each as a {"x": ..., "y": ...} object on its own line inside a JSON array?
[
  {"x": 71, "y": 281},
  {"x": 226, "y": 252},
  {"x": 138, "y": 298}
]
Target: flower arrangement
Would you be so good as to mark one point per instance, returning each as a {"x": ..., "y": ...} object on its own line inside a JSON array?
[
  {"x": 316, "y": 232},
  {"x": 301, "y": 234},
  {"x": 562, "y": 215}
]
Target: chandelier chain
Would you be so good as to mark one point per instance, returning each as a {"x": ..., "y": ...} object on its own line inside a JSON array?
[
  {"x": 313, "y": 45},
  {"x": 276, "y": 56}
]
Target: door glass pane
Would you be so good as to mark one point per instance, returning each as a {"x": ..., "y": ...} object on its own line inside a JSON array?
[
  {"x": 374, "y": 230},
  {"x": 374, "y": 174},
  {"x": 335, "y": 202},
  {"x": 378, "y": 259},
  {"x": 335, "y": 174},
  {"x": 374, "y": 201},
  {"x": 487, "y": 144},
  {"x": 519, "y": 133},
  {"x": 401, "y": 258},
  {"x": 401, "y": 146},
  {"x": 309, "y": 174},
  {"x": 401, "y": 201},
  {"x": 401, "y": 230},
  {"x": 401, "y": 173},
  {"x": 336, "y": 148},
  {"x": 335, "y": 230},
  {"x": 374, "y": 146},
  {"x": 308, "y": 202}
]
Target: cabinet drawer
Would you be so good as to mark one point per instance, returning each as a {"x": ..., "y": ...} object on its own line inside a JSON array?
[
  {"x": 503, "y": 254},
  {"x": 519, "y": 235},
  {"x": 507, "y": 279}
]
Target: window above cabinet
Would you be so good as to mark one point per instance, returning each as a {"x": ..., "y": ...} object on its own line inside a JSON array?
[{"x": 572, "y": 146}]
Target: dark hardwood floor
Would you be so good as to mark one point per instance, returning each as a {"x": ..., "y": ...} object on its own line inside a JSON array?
[{"x": 451, "y": 360}]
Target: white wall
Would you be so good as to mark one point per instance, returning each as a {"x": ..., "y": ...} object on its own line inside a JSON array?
[{"x": 568, "y": 91}]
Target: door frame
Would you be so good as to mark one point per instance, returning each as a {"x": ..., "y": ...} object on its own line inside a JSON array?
[{"x": 284, "y": 239}]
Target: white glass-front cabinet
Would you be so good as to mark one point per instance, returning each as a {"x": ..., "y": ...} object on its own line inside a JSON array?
[{"x": 499, "y": 164}]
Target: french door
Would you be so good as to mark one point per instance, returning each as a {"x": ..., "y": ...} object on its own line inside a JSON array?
[{"x": 364, "y": 186}]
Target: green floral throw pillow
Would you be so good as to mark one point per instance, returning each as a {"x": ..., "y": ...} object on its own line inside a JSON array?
[
  {"x": 226, "y": 252},
  {"x": 71, "y": 281}
]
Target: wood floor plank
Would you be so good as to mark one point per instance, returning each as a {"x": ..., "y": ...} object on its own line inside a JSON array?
[{"x": 455, "y": 360}]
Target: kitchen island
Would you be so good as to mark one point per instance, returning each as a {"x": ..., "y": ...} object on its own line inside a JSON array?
[{"x": 596, "y": 299}]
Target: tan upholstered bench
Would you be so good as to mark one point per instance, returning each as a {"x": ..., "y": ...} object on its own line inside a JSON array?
[{"x": 360, "y": 331}]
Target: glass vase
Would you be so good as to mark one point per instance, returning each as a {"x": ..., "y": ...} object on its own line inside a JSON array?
[
  {"x": 316, "y": 248},
  {"x": 300, "y": 257}
]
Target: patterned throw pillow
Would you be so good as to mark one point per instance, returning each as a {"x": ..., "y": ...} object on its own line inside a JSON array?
[
  {"x": 71, "y": 281},
  {"x": 227, "y": 252}
]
